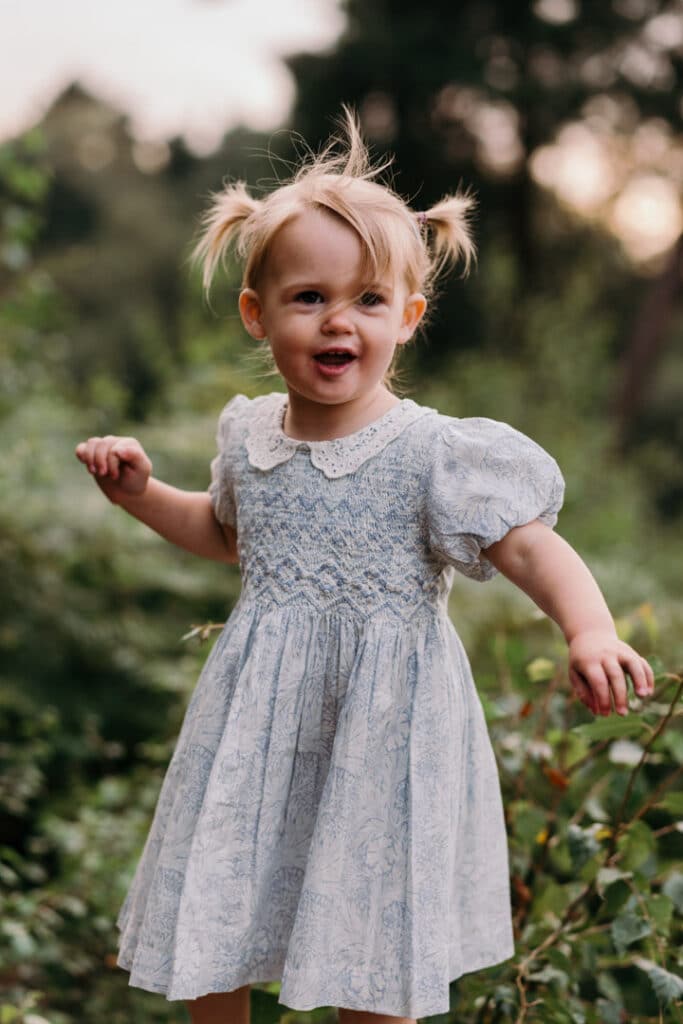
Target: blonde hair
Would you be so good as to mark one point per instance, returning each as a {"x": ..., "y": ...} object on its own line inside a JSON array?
[{"x": 341, "y": 181}]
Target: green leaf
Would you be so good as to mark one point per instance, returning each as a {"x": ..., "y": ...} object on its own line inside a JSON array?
[
  {"x": 582, "y": 845},
  {"x": 616, "y": 896},
  {"x": 672, "y": 803},
  {"x": 558, "y": 959},
  {"x": 550, "y": 896},
  {"x": 607, "y": 877},
  {"x": 576, "y": 1011},
  {"x": 610, "y": 728},
  {"x": 608, "y": 1012},
  {"x": 667, "y": 986},
  {"x": 673, "y": 888},
  {"x": 550, "y": 975},
  {"x": 627, "y": 929},
  {"x": 20, "y": 938},
  {"x": 636, "y": 844},
  {"x": 588, "y": 958},
  {"x": 672, "y": 742},
  {"x": 527, "y": 821},
  {"x": 660, "y": 908},
  {"x": 609, "y": 987}
]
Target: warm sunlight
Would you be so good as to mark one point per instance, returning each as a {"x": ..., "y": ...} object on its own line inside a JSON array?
[
  {"x": 630, "y": 182},
  {"x": 647, "y": 216}
]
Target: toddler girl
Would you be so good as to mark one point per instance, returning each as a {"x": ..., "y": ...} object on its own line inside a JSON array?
[{"x": 331, "y": 816}]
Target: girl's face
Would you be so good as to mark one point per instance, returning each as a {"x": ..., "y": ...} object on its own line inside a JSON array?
[{"x": 307, "y": 303}]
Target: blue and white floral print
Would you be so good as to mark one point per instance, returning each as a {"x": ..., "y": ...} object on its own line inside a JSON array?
[{"x": 331, "y": 816}]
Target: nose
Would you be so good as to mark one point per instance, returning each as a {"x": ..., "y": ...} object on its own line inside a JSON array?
[{"x": 337, "y": 321}]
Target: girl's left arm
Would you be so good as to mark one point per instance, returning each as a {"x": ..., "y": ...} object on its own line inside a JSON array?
[{"x": 542, "y": 564}]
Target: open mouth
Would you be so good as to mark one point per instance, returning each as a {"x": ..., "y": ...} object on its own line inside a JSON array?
[
  {"x": 334, "y": 358},
  {"x": 334, "y": 362}
]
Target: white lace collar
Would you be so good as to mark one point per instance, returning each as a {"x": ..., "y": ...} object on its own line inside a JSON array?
[{"x": 267, "y": 444}]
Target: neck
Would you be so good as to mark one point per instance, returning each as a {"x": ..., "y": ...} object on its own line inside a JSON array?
[{"x": 308, "y": 420}]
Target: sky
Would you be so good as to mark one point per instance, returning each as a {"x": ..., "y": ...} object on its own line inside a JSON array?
[{"x": 190, "y": 68}]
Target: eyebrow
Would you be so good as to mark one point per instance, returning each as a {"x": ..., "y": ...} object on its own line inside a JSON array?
[
  {"x": 317, "y": 286},
  {"x": 302, "y": 286}
]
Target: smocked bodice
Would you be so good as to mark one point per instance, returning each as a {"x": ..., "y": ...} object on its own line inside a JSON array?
[
  {"x": 352, "y": 545},
  {"x": 373, "y": 523}
]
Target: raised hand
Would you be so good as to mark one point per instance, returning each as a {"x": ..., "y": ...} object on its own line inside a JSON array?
[{"x": 120, "y": 465}]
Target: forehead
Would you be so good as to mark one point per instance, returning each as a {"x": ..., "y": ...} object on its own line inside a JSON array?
[
  {"x": 316, "y": 244},
  {"x": 313, "y": 236}
]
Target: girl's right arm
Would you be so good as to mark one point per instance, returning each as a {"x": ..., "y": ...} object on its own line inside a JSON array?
[{"x": 122, "y": 471}]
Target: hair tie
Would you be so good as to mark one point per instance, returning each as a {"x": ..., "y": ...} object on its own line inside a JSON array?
[{"x": 422, "y": 218}]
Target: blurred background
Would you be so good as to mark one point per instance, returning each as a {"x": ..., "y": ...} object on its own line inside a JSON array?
[{"x": 116, "y": 122}]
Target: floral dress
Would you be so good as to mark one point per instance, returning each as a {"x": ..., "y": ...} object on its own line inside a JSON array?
[{"x": 331, "y": 816}]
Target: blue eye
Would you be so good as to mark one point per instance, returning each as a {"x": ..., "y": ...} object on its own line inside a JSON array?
[
  {"x": 371, "y": 299},
  {"x": 309, "y": 297}
]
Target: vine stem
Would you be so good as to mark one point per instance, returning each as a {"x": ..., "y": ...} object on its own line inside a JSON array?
[
  {"x": 549, "y": 940},
  {"x": 618, "y": 819}
]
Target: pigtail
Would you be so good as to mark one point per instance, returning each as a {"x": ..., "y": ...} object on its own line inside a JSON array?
[
  {"x": 451, "y": 233},
  {"x": 223, "y": 225}
]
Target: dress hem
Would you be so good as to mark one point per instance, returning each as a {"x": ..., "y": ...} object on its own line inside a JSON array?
[{"x": 266, "y": 977}]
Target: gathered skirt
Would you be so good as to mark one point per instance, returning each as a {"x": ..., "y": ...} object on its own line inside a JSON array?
[{"x": 331, "y": 818}]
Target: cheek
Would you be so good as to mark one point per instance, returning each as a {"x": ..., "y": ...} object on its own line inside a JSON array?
[
  {"x": 287, "y": 349},
  {"x": 293, "y": 329}
]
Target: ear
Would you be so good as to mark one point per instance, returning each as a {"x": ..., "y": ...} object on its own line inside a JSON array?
[
  {"x": 251, "y": 312},
  {"x": 413, "y": 311}
]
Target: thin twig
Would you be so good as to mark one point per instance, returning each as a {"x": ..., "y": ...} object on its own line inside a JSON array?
[{"x": 618, "y": 819}]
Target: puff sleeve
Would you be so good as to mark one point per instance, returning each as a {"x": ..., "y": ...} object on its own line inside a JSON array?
[
  {"x": 484, "y": 478},
  {"x": 221, "y": 488}
]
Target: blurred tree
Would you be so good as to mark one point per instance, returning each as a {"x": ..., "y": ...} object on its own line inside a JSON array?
[{"x": 116, "y": 232}]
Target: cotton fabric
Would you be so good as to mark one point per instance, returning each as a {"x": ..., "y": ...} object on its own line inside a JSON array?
[{"x": 331, "y": 816}]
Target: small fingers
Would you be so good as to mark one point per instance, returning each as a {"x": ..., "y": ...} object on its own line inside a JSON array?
[
  {"x": 95, "y": 454},
  {"x": 101, "y": 456},
  {"x": 641, "y": 674},
  {"x": 617, "y": 682},
  {"x": 599, "y": 685},
  {"x": 113, "y": 463},
  {"x": 124, "y": 450},
  {"x": 582, "y": 689},
  {"x": 85, "y": 451}
]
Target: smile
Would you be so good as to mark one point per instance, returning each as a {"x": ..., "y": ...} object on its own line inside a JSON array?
[{"x": 334, "y": 362}]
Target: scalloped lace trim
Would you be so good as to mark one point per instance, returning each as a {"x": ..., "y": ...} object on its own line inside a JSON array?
[{"x": 267, "y": 444}]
